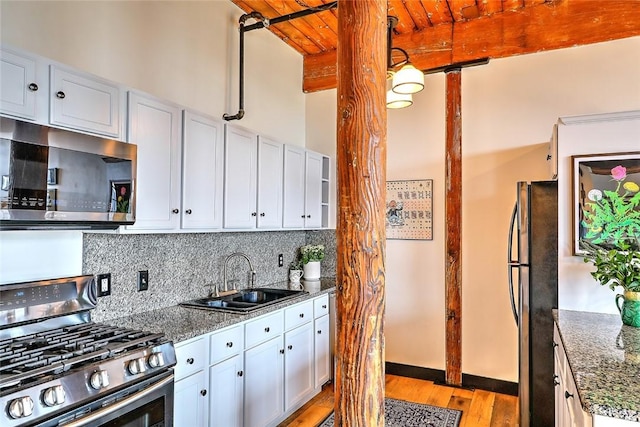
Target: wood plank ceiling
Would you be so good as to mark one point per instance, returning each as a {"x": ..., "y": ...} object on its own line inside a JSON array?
[{"x": 439, "y": 33}]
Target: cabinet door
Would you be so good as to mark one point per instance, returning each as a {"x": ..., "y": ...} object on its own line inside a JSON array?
[
  {"x": 313, "y": 191},
  {"x": 294, "y": 184},
  {"x": 298, "y": 364},
  {"x": 190, "y": 401},
  {"x": 85, "y": 102},
  {"x": 263, "y": 384},
  {"x": 202, "y": 172},
  {"x": 322, "y": 351},
  {"x": 226, "y": 387},
  {"x": 154, "y": 126},
  {"x": 18, "y": 85},
  {"x": 240, "y": 180},
  {"x": 269, "y": 183}
]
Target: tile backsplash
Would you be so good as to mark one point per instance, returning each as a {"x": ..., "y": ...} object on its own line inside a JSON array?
[{"x": 181, "y": 266}]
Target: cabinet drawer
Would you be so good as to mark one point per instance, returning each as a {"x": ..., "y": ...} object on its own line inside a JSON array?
[
  {"x": 190, "y": 357},
  {"x": 321, "y": 306},
  {"x": 263, "y": 328},
  {"x": 298, "y": 314},
  {"x": 226, "y": 343}
]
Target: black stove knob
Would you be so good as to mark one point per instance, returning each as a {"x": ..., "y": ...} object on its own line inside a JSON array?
[
  {"x": 21, "y": 407},
  {"x": 53, "y": 396},
  {"x": 99, "y": 380},
  {"x": 155, "y": 360}
]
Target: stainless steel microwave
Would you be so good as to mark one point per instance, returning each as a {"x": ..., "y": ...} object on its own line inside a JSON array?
[{"x": 54, "y": 178}]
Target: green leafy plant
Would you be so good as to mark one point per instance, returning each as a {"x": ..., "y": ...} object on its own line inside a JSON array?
[
  {"x": 296, "y": 264},
  {"x": 614, "y": 267},
  {"x": 310, "y": 253},
  {"x": 612, "y": 241}
]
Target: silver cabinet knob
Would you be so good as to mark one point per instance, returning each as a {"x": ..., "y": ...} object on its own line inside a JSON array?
[
  {"x": 99, "y": 380},
  {"x": 54, "y": 396},
  {"x": 21, "y": 407},
  {"x": 188, "y": 211},
  {"x": 175, "y": 211}
]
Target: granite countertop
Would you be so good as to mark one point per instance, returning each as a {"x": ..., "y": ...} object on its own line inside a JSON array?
[
  {"x": 604, "y": 356},
  {"x": 180, "y": 323}
]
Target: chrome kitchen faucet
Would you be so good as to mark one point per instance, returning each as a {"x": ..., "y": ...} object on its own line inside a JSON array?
[{"x": 226, "y": 262}]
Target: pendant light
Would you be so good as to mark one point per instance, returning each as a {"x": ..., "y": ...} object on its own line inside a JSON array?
[
  {"x": 408, "y": 80},
  {"x": 397, "y": 100},
  {"x": 405, "y": 81}
]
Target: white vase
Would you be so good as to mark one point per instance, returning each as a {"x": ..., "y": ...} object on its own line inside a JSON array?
[
  {"x": 311, "y": 270},
  {"x": 295, "y": 276}
]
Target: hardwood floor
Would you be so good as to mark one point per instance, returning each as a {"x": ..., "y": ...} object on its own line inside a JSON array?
[{"x": 480, "y": 408}]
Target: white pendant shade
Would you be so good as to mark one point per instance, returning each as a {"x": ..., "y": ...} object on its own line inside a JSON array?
[
  {"x": 408, "y": 80},
  {"x": 398, "y": 100}
]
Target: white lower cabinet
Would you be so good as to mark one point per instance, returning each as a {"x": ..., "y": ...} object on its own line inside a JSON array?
[
  {"x": 254, "y": 373},
  {"x": 569, "y": 412},
  {"x": 226, "y": 382},
  {"x": 190, "y": 400},
  {"x": 298, "y": 365},
  {"x": 322, "y": 357},
  {"x": 263, "y": 385},
  {"x": 226, "y": 385}
]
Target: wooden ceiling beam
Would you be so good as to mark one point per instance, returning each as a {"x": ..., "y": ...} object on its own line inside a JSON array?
[{"x": 546, "y": 26}]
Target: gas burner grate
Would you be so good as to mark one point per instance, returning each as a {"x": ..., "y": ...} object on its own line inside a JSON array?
[{"x": 31, "y": 357}]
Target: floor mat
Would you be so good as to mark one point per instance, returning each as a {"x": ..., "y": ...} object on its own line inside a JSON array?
[{"x": 399, "y": 413}]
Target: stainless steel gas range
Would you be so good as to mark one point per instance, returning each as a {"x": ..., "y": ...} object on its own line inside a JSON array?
[{"x": 59, "y": 368}]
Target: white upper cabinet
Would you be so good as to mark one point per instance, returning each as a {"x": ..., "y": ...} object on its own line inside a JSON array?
[
  {"x": 269, "y": 183},
  {"x": 294, "y": 178},
  {"x": 85, "y": 102},
  {"x": 313, "y": 190},
  {"x": 202, "y": 172},
  {"x": 306, "y": 187},
  {"x": 20, "y": 84},
  {"x": 253, "y": 180},
  {"x": 154, "y": 126},
  {"x": 38, "y": 89},
  {"x": 240, "y": 178}
]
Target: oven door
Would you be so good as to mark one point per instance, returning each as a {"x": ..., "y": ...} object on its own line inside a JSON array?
[{"x": 146, "y": 404}]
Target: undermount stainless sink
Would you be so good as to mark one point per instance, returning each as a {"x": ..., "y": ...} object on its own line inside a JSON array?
[{"x": 245, "y": 300}]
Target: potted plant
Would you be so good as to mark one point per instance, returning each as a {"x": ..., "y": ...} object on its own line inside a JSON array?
[
  {"x": 311, "y": 255},
  {"x": 612, "y": 241}
]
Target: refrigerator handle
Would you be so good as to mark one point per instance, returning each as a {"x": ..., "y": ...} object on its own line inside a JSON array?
[{"x": 511, "y": 263}]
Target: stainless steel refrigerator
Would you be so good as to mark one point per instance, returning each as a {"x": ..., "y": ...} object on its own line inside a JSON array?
[{"x": 533, "y": 276}]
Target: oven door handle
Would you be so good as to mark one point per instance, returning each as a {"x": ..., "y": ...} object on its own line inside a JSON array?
[{"x": 93, "y": 416}]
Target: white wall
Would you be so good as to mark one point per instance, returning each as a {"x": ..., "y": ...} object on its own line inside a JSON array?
[
  {"x": 181, "y": 51},
  {"x": 508, "y": 110},
  {"x": 579, "y": 136}
]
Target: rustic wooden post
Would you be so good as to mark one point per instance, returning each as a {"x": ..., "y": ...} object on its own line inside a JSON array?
[
  {"x": 453, "y": 221},
  {"x": 361, "y": 170}
]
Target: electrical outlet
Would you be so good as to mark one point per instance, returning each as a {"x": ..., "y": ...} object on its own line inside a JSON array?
[
  {"x": 280, "y": 260},
  {"x": 104, "y": 284},
  {"x": 143, "y": 280}
]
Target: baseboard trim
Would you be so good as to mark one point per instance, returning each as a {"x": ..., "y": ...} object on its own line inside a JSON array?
[{"x": 437, "y": 376}]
